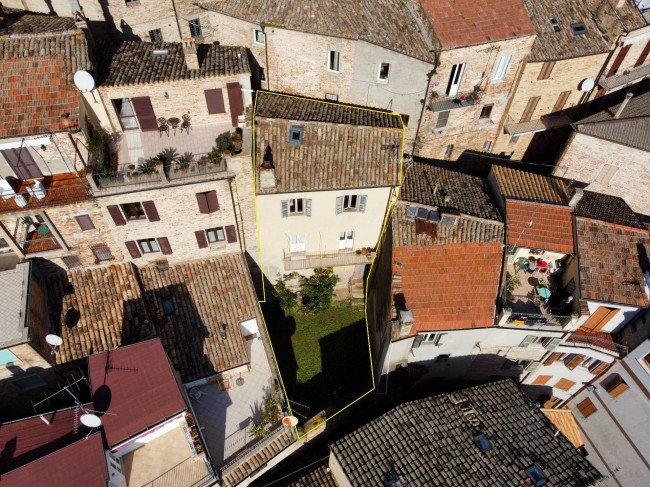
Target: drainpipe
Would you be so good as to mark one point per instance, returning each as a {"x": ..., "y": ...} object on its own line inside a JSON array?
[
  {"x": 180, "y": 35},
  {"x": 266, "y": 53},
  {"x": 618, "y": 113},
  {"x": 424, "y": 104}
]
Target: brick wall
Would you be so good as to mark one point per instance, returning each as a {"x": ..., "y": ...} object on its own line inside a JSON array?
[
  {"x": 138, "y": 18},
  {"x": 585, "y": 159},
  {"x": 465, "y": 129}
]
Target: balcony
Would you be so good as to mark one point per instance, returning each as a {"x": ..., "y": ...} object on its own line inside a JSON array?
[
  {"x": 54, "y": 190},
  {"x": 605, "y": 343},
  {"x": 459, "y": 100},
  {"x": 310, "y": 260},
  {"x": 539, "y": 125},
  {"x": 189, "y": 473},
  {"x": 627, "y": 77}
]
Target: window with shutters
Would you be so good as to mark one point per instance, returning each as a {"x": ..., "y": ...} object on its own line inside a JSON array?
[
  {"x": 573, "y": 360},
  {"x": 102, "y": 253},
  {"x": 215, "y": 235},
  {"x": 443, "y": 118},
  {"x": 619, "y": 60},
  {"x": 207, "y": 201},
  {"x": 214, "y": 101},
  {"x": 22, "y": 163},
  {"x": 259, "y": 37},
  {"x": 561, "y": 101},
  {"x": 645, "y": 362},
  {"x": 530, "y": 109},
  {"x": 545, "y": 72},
  {"x": 606, "y": 174},
  {"x": 550, "y": 343},
  {"x": 72, "y": 261},
  {"x": 486, "y": 111},
  {"x": 85, "y": 223},
  {"x": 351, "y": 202},
  {"x": 615, "y": 385},
  {"x": 148, "y": 246},
  {"x": 334, "y": 61},
  {"x": 384, "y": 72},
  {"x": 195, "y": 28},
  {"x": 501, "y": 67},
  {"x": 586, "y": 408},
  {"x": 133, "y": 211},
  {"x": 565, "y": 384},
  {"x": 346, "y": 240},
  {"x": 125, "y": 113},
  {"x": 643, "y": 56},
  {"x": 597, "y": 367},
  {"x": 552, "y": 358},
  {"x": 296, "y": 206},
  {"x": 540, "y": 380},
  {"x": 432, "y": 338},
  {"x": 155, "y": 35}
]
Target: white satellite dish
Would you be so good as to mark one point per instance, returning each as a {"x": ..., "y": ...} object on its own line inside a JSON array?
[
  {"x": 54, "y": 340},
  {"x": 90, "y": 420},
  {"x": 587, "y": 85},
  {"x": 289, "y": 421},
  {"x": 84, "y": 81}
]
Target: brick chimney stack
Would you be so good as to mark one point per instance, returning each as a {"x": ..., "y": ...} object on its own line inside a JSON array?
[{"x": 189, "y": 51}]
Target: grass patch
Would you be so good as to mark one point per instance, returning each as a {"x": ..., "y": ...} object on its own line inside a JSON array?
[{"x": 321, "y": 357}]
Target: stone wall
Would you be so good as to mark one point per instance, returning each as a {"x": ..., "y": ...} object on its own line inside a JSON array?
[{"x": 138, "y": 18}]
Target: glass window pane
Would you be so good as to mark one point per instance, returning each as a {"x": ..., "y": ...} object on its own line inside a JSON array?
[
  {"x": 411, "y": 211},
  {"x": 220, "y": 234},
  {"x": 299, "y": 205},
  {"x": 154, "y": 245},
  {"x": 211, "y": 236},
  {"x": 422, "y": 212},
  {"x": 145, "y": 246}
]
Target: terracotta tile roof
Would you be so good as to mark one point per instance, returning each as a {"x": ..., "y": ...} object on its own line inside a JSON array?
[
  {"x": 133, "y": 63},
  {"x": 637, "y": 107},
  {"x": 437, "y": 187},
  {"x": 466, "y": 22},
  {"x": 143, "y": 390},
  {"x": 446, "y": 285},
  {"x": 22, "y": 22},
  {"x": 429, "y": 442},
  {"x": 632, "y": 132},
  {"x": 526, "y": 186},
  {"x": 566, "y": 423},
  {"x": 552, "y": 227},
  {"x": 607, "y": 208},
  {"x": 612, "y": 261},
  {"x": 382, "y": 22},
  {"x": 36, "y": 85},
  {"x": 467, "y": 230},
  {"x": 81, "y": 463},
  {"x": 93, "y": 310},
  {"x": 319, "y": 476},
  {"x": 62, "y": 189},
  {"x": 207, "y": 295},
  {"x": 27, "y": 440},
  {"x": 552, "y": 45},
  {"x": 332, "y": 155},
  {"x": 289, "y": 107}
]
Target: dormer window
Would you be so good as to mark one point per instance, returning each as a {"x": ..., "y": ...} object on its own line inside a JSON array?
[
  {"x": 295, "y": 135},
  {"x": 422, "y": 213},
  {"x": 449, "y": 221},
  {"x": 411, "y": 211}
]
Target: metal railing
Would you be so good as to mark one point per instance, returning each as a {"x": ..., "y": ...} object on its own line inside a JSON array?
[
  {"x": 200, "y": 168},
  {"x": 53, "y": 196},
  {"x": 40, "y": 245},
  {"x": 189, "y": 473},
  {"x": 596, "y": 343},
  {"x": 538, "y": 125},
  {"x": 459, "y": 100},
  {"x": 127, "y": 178},
  {"x": 628, "y": 76},
  {"x": 253, "y": 450},
  {"x": 310, "y": 260}
]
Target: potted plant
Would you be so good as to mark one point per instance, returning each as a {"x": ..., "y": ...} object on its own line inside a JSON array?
[
  {"x": 223, "y": 143},
  {"x": 183, "y": 163},
  {"x": 236, "y": 142},
  {"x": 214, "y": 157},
  {"x": 435, "y": 95},
  {"x": 131, "y": 167}
]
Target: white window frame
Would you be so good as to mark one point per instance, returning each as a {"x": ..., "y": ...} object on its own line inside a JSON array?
[
  {"x": 329, "y": 61},
  {"x": 432, "y": 338},
  {"x": 379, "y": 78},
  {"x": 297, "y": 243},
  {"x": 331, "y": 97},
  {"x": 457, "y": 72},
  {"x": 501, "y": 67},
  {"x": 346, "y": 240},
  {"x": 255, "y": 41},
  {"x": 350, "y": 206},
  {"x": 295, "y": 202}
]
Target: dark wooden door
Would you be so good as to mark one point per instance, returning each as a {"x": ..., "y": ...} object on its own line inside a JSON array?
[
  {"x": 22, "y": 163},
  {"x": 144, "y": 112}
]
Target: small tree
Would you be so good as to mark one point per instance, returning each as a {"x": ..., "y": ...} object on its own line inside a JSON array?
[
  {"x": 285, "y": 296},
  {"x": 317, "y": 290},
  {"x": 512, "y": 282},
  {"x": 270, "y": 412},
  {"x": 258, "y": 429}
]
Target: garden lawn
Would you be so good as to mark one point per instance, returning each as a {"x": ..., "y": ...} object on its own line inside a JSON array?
[{"x": 322, "y": 356}]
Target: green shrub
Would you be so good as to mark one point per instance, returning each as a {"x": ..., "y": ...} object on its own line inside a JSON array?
[
  {"x": 285, "y": 296},
  {"x": 258, "y": 429},
  {"x": 223, "y": 143},
  {"x": 270, "y": 412},
  {"x": 317, "y": 290}
]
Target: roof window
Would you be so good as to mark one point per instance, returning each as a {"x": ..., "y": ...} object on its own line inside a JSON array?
[
  {"x": 536, "y": 475},
  {"x": 411, "y": 211},
  {"x": 434, "y": 216},
  {"x": 422, "y": 213},
  {"x": 579, "y": 28},
  {"x": 482, "y": 442},
  {"x": 168, "y": 305},
  {"x": 295, "y": 135},
  {"x": 555, "y": 23}
]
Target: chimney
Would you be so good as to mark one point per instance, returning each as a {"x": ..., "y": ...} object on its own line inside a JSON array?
[
  {"x": 267, "y": 171},
  {"x": 628, "y": 96},
  {"x": 620, "y": 4},
  {"x": 575, "y": 197},
  {"x": 189, "y": 51}
]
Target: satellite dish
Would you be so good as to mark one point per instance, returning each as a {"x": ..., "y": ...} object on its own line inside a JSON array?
[
  {"x": 289, "y": 421},
  {"x": 84, "y": 81},
  {"x": 54, "y": 340},
  {"x": 90, "y": 420},
  {"x": 587, "y": 85}
]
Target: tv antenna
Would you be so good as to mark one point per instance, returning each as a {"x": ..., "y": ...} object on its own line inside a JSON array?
[
  {"x": 85, "y": 82},
  {"x": 54, "y": 341}
]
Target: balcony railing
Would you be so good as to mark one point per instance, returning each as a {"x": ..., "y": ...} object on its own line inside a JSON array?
[
  {"x": 40, "y": 245},
  {"x": 628, "y": 76},
  {"x": 596, "y": 343},
  {"x": 539, "y": 125},
  {"x": 189, "y": 473},
  {"x": 309, "y": 260},
  {"x": 459, "y": 100}
]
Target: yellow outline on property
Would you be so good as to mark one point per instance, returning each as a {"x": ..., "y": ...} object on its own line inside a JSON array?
[{"x": 259, "y": 242}]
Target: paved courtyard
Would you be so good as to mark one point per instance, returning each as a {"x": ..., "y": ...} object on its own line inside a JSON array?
[{"x": 224, "y": 415}]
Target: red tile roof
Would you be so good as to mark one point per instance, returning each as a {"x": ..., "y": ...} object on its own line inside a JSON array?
[
  {"x": 552, "y": 227},
  {"x": 466, "y": 22},
  {"x": 24, "y": 441},
  {"x": 62, "y": 189},
  {"x": 136, "y": 384},
  {"x": 82, "y": 463},
  {"x": 451, "y": 286}
]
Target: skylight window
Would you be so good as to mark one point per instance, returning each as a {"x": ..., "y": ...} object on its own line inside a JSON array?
[
  {"x": 295, "y": 135},
  {"x": 555, "y": 23},
  {"x": 422, "y": 213},
  {"x": 168, "y": 306},
  {"x": 412, "y": 210},
  {"x": 482, "y": 442},
  {"x": 536, "y": 475},
  {"x": 579, "y": 28},
  {"x": 434, "y": 216}
]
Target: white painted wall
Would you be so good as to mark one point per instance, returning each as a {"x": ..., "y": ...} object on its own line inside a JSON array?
[{"x": 148, "y": 436}]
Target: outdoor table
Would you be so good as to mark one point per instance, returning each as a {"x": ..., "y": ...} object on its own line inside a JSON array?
[
  {"x": 544, "y": 292},
  {"x": 43, "y": 230},
  {"x": 174, "y": 123}
]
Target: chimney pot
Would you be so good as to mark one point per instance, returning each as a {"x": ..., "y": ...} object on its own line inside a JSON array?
[
  {"x": 624, "y": 103},
  {"x": 189, "y": 51},
  {"x": 578, "y": 193}
]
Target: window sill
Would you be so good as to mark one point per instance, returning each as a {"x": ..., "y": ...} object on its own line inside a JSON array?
[
  {"x": 383, "y": 81},
  {"x": 217, "y": 245},
  {"x": 333, "y": 72},
  {"x": 259, "y": 44}
]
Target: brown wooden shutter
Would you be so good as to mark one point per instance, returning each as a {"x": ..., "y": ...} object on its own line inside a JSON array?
[
  {"x": 615, "y": 385},
  {"x": 561, "y": 101},
  {"x": 542, "y": 379},
  {"x": 214, "y": 100},
  {"x": 552, "y": 402},
  {"x": 552, "y": 358},
  {"x": 150, "y": 210},
  {"x": 200, "y": 239},
  {"x": 202, "y": 200},
  {"x": 236, "y": 101},
  {"x": 165, "y": 248},
  {"x": 85, "y": 223},
  {"x": 144, "y": 112},
  {"x": 587, "y": 408},
  {"x": 231, "y": 233},
  {"x": 599, "y": 319},
  {"x": 599, "y": 369},
  {"x": 22, "y": 163},
  {"x": 213, "y": 202},
  {"x": 545, "y": 72},
  {"x": 619, "y": 60},
  {"x": 565, "y": 384},
  {"x": 530, "y": 108},
  {"x": 116, "y": 214},
  {"x": 643, "y": 56},
  {"x": 133, "y": 249},
  {"x": 575, "y": 361}
]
